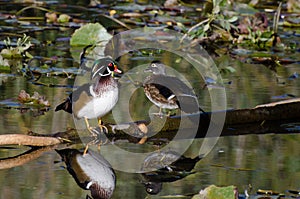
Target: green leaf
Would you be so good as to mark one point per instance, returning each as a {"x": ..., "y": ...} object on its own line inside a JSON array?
[
  {"x": 213, "y": 192},
  {"x": 230, "y": 69},
  {"x": 90, "y": 34},
  {"x": 63, "y": 18},
  {"x": 206, "y": 27},
  {"x": 233, "y": 19}
]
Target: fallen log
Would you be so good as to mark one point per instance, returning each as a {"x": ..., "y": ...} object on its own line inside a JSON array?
[
  {"x": 262, "y": 119},
  {"x": 265, "y": 118},
  {"x": 276, "y": 111}
]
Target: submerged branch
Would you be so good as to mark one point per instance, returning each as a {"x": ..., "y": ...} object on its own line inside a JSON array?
[{"x": 23, "y": 158}]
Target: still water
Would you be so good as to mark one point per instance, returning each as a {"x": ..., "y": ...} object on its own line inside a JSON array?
[
  {"x": 269, "y": 161},
  {"x": 265, "y": 161}
]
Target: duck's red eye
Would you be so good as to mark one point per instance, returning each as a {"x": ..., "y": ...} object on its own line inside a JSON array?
[{"x": 110, "y": 64}]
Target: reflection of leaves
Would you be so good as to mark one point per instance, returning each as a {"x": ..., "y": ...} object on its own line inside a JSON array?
[
  {"x": 271, "y": 62},
  {"x": 224, "y": 64}
]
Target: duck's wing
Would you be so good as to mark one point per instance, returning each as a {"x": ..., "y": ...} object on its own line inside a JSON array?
[
  {"x": 74, "y": 96},
  {"x": 188, "y": 103},
  {"x": 173, "y": 88}
]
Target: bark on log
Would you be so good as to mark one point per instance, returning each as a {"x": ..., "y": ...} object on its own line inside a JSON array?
[
  {"x": 283, "y": 110},
  {"x": 266, "y": 118},
  {"x": 20, "y": 139}
]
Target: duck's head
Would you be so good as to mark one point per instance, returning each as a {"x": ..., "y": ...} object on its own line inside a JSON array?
[
  {"x": 104, "y": 67},
  {"x": 157, "y": 68}
]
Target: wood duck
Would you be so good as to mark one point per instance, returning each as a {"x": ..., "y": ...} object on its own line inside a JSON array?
[
  {"x": 169, "y": 92},
  {"x": 97, "y": 98},
  {"x": 90, "y": 171}
]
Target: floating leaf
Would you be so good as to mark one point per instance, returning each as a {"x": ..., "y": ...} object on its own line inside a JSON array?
[
  {"x": 213, "y": 192},
  {"x": 51, "y": 17},
  {"x": 63, "y": 18},
  {"x": 90, "y": 34},
  {"x": 94, "y": 35},
  {"x": 233, "y": 19},
  {"x": 35, "y": 99}
]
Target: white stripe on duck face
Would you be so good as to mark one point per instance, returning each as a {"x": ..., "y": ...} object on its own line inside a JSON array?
[{"x": 101, "y": 74}]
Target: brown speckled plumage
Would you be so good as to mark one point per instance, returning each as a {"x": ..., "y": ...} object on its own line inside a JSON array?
[{"x": 167, "y": 91}]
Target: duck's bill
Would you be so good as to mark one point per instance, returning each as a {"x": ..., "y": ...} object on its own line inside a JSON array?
[
  {"x": 147, "y": 70},
  {"x": 116, "y": 70}
]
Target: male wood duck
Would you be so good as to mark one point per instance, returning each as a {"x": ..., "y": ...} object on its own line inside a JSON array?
[
  {"x": 97, "y": 98},
  {"x": 90, "y": 171},
  {"x": 169, "y": 92}
]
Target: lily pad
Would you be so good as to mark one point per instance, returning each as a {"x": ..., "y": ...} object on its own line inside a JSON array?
[
  {"x": 93, "y": 34},
  {"x": 213, "y": 192},
  {"x": 90, "y": 34}
]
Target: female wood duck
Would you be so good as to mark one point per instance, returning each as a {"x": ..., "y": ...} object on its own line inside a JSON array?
[
  {"x": 166, "y": 166},
  {"x": 90, "y": 171},
  {"x": 95, "y": 99},
  {"x": 169, "y": 92}
]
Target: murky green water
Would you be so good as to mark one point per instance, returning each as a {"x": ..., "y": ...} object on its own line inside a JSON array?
[{"x": 265, "y": 161}]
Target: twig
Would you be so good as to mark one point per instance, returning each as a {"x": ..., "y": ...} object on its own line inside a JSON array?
[
  {"x": 276, "y": 18},
  {"x": 116, "y": 20},
  {"x": 33, "y": 7},
  {"x": 192, "y": 28}
]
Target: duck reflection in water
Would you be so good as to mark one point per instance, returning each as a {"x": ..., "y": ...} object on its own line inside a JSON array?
[
  {"x": 90, "y": 171},
  {"x": 169, "y": 166}
]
